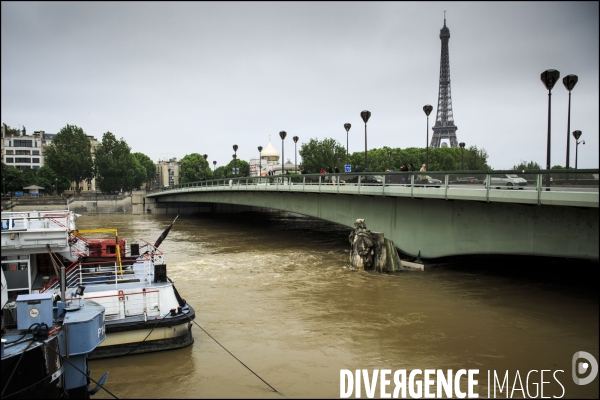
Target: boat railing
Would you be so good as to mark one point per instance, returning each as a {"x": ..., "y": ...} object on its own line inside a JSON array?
[
  {"x": 152, "y": 257},
  {"x": 35, "y": 220},
  {"x": 129, "y": 303}
]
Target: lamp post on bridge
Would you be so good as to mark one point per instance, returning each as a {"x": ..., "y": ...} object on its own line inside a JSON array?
[
  {"x": 427, "y": 109},
  {"x": 577, "y": 135},
  {"x": 260, "y": 148},
  {"x": 347, "y": 127},
  {"x": 462, "y": 158},
  {"x": 365, "y": 115},
  {"x": 205, "y": 158},
  {"x": 569, "y": 81},
  {"x": 282, "y": 135},
  {"x": 389, "y": 153},
  {"x": 214, "y": 166},
  {"x": 549, "y": 79},
  {"x": 295, "y": 154},
  {"x": 235, "y": 148}
]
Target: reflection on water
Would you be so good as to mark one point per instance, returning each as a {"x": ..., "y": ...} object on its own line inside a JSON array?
[{"x": 275, "y": 291}]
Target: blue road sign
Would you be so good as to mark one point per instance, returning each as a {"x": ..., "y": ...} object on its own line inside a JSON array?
[{"x": 348, "y": 168}]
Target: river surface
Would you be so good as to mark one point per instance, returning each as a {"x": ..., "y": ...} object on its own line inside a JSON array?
[{"x": 275, "y": 290}]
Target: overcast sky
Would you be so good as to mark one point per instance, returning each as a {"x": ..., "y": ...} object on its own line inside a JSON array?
[{"x": 184, "y": 77}]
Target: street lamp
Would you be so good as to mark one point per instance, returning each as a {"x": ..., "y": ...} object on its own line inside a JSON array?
[
  {"x": 569, "y": 81},
  {"x": 347, "y": 128},
  {"x": 462, "y": 159},
  {"x": 205, "y": 158},
  {"x": 295, "y": 155},
  {"x": 389, "y": 156},
  {"x": 549, "y": 79},
  {"x": 260, "y": 161},
  {"x": 214, "y": 166},
  {"x": 55, "y": 185},
  {"x": 235, "y": 148},
  {"x": 282, "y": 135},
  {"x": 365, "y": 115},
  {"x": 577, "y": 135},
  {"x": 427, "y": 108}
]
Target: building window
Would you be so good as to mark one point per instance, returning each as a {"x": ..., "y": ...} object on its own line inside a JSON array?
[
  {"x": 23, "y": 143},
  {"x": 35, "y": 160},
  {"x": 9, "y": 160},
  {"x": 35, "y": 153},
  {"x": 36, "y": 167},
  {"x": 22, "y": 152},
  {"x": 10, "y": 152},
  {"x": 22, "y": 159}
]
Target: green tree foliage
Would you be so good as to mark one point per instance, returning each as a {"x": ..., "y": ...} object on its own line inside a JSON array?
[
  {"x": 116, "y": 168},
  {"x": 148, "y": 165},
  {"x": 242, "y": 165},
  {"x": 440, "y": 159},
  {"x": 221, "y": 172},
  {"x": 194, "y": 168},
  {"x": 10, "y": 131},
  {"x": 530, "y": 166},
  {"x": 13, "y": 179},
  {"x": 70, "y": 155},
  {"x": 226, "y": 171},
  {"x": 320, "y": 154},
  {"x": 47, "y": 178}
]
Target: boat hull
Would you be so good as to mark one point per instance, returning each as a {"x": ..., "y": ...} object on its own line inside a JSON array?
[{"x": 138, "y": 337}]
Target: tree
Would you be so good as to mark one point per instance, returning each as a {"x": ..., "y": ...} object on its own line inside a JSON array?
[
  {"x": 70, "y": 155},
  {"x": 10, "y": 131},
  {"x": 194, "y": 168},
  {"x": 320, "y": 154},
  {"x": 116, "y": 168},
  {"x": 523, "y": 165},
  {"x": 13, "y": 179},
  {"x": 242, "y": 166},
  {"x": 148, "y": 165}
]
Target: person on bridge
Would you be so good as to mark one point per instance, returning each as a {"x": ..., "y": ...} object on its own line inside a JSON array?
[
  {"x": 423, "y": 177},
  {"x": 356, "y": 168}
]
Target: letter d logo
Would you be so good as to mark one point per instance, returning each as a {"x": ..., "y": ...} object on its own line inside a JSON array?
[{"x": 582, "y": 367}]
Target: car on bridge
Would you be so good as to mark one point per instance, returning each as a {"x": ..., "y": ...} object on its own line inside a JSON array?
[
  {"x": 372, "y": 180},
  {"x": 506, "y": 180},
  {"x": 427, "y": 181},
  {"x": 465, "y": 180}
]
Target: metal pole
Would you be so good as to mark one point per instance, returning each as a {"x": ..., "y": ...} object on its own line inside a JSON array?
[
  {"x": 568, "y": 131},
  {"x": 295, "y": 158},
  {"x": 366, "y": 165},
  {"x": 548, "y": 144},
  {"x": 427, "y": 146}
]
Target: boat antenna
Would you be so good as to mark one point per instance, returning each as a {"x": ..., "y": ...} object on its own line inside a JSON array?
[{"x": 163, "y": 236}]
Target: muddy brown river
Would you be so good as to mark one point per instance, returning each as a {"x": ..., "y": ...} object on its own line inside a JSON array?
[{"x": 275, "y": 290}]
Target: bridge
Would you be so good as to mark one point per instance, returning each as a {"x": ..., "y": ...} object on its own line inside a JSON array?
[{"x": 547, "y": 213}]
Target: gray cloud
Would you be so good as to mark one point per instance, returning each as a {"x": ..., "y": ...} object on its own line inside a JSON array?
[{"x": 180, "y": 77}]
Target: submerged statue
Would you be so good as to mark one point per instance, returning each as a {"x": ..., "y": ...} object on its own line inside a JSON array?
[{"x": 363, "y": 246}]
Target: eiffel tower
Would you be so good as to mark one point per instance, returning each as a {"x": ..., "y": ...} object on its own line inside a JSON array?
[{"x": 444, "y": 127}]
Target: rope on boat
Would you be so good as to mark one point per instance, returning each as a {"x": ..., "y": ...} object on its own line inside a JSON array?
[
  {"x": 80, "y": 371},
  {"x": 147, "y": 336},
  {"x": 248, "y": 368},
  {"x": 14, "y": 370}
]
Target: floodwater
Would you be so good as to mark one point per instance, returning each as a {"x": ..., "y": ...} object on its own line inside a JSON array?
[{"x": 275, "y": 290}]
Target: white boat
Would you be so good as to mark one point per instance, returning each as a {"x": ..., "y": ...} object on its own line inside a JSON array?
[{"x": 143, "y": 310}]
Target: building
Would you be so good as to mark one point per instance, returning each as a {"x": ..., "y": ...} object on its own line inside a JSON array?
[
  {"x": 269, "y": 161},
  {"x": 167, "y": 173},
  {"x": 23, "y": 151},
  {"x": 20, "y": 150}
]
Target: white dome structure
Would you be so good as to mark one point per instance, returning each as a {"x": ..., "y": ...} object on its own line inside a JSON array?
[{"x": 269, "y": 153}]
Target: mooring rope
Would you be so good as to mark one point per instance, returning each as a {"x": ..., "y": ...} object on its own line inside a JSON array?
[{"x": 230, "y": 353}]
